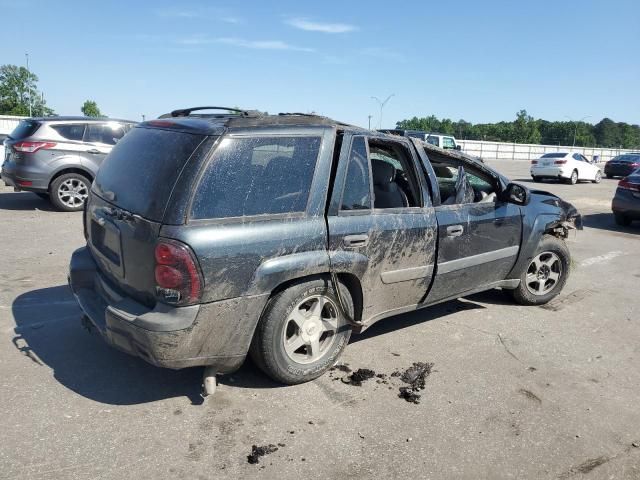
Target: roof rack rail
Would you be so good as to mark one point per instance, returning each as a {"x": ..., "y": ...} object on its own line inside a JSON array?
[
  {"x": 185, "y": 112},
  {"x": 283, "y": 114}
]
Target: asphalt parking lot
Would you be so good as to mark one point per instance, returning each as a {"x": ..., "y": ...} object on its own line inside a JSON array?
[{"x": 515, "y": 392}]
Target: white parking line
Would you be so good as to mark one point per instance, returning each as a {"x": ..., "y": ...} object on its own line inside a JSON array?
[{"x": 600, "y": 258}]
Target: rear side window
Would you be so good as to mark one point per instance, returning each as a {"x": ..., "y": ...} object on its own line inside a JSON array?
[
  {"x": 257, "y": 175},
  {"x": 70, "y": 131},
  {"x": 109, "y": 133},
  {"x": 357, "y": 189},
  {"x": 141, "y": 170},
  {"x": 25, "y": 129}
]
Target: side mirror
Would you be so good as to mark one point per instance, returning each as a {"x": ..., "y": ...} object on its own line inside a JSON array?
[
  {"x": 517, "y": 194},
  {"x": 458, "y": 147}
]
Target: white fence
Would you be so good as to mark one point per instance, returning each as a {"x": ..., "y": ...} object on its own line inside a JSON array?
[
  {"x": 523, "y": 151},
  {"x": 8, "y": 123}
]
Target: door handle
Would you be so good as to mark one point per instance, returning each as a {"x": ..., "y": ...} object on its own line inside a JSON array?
[
  {"x": 356, "y": 240},
  {"x": 93, "y": 150},
  {"x": 454, "y": 230}
]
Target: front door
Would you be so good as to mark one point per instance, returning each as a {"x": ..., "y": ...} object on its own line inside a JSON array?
[
  {"x": 381, "y": 224},
  {"x": 478, "y": 242}
]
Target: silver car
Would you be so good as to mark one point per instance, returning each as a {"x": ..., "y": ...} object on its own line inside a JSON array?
[{"x": 58, "y": 157}]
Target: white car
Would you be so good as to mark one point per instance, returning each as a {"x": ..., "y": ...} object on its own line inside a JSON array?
[{"x": 570, "y": 167}]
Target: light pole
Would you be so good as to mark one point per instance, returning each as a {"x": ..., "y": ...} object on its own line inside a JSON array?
[
  {"x": 382, "y": 104},
  {"x": 28, "y": 77},
  {"x": 369, "y": 116},
  {"x": 575, "y": 130}
]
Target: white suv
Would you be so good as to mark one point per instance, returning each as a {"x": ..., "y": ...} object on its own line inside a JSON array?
[
  {"x": 568, "y": 166},
  {"x": 443, "y": 141}
]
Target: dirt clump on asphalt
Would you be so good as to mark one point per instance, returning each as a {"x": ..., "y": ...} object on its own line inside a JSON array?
[
  {"x": 343, "y": 367},
  {"x": 415, "y": 376},
  {"x": 359, "y": 376},
  {"x": 257, "y": 452}
]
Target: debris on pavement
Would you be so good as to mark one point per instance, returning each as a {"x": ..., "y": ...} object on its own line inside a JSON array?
[
  {"x": 257, "y": 452},
  {"x": 359, "y": 376},
  {"x": 415, "y": 376}
]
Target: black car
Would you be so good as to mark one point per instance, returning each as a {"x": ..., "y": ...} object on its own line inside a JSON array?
[
  {"x": 210, "y": 236},
  {"x": 622, "y": 165},
  {"x": 626, "y": 202}
]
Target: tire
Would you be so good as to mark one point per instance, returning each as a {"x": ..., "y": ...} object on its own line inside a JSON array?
[
  {"x": 277, "y": 327},
  {"x": 553, "y": 254},
  {"x": 609, "y": 176},
  {"x": 622, "y": 220},
  {"x": 68, "y": 192},
  {"x": 598, "y": 178},
  {"x": 574, "y": 178},
  {"x": 536, "y": 179}
]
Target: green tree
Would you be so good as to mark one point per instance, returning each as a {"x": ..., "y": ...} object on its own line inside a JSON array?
[
  {"x": 90, "y": 109},
  {"x": 525, "y": 129},
  {"x": 18, "y": 88}
]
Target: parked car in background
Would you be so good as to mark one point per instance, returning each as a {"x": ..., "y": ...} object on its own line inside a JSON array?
[
  {"x": 622, "y": 165},
  {"x": 58, "y": 157},
  {"x": 3, "y": 137},
  {"x": 626, "y": 202},
  {"x": 443, "y": 141},
  {"x": 209, "y": 237},
  {"x": 421, "y": 134},
  {"x": 570, "y": 167}
]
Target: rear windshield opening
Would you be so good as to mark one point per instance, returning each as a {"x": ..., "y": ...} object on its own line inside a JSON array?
[
  {"x": 553, "y": 155},
  {"x": 25, "y": 129},
  {"x": 141, "y": 170},
  {"x": 256, "y": 176}
]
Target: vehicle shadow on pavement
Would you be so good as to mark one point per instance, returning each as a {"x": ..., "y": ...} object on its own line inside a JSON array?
[
  {"x": 24, "y": 201},
  {"x": 605, "y": 221},
  {"x": 398, "y": 322},
  {"x": 48, "y": 331}
]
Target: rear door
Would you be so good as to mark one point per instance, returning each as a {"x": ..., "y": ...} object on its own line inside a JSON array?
[
  {"x": 382, "y": 225},
  {"x": 478, "y": 242}
]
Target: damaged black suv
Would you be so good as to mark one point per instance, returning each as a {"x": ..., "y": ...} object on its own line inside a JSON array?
[{"x": 214, "y": 235}]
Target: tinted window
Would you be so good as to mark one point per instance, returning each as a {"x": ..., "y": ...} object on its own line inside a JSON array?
[
  {"x": 357, "y": 190},
  {"x": 108, "y": 133},
  {"x": 141, "y": 170},
  {"x": 628, "y": 158},
  {"x": 258, "y": 175},
  {"x": 554, "y": 155},
  {"x": 24, "y": 129},
  {"x": 70, "y": 131}
]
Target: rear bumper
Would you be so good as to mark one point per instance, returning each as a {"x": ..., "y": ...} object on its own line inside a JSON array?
[
  {"x": 551, "y": 172},
  {"x": 14, "y": 176},
  {"x": 217, "y": 334},
  {"x": 627, "y": 204}
]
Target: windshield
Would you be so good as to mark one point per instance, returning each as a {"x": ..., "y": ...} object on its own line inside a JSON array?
[
  {"x": 141, "y": 170},
  {"x": 627, "y": 158}
]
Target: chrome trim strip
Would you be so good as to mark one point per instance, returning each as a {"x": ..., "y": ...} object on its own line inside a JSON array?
[
  {"x": 395, "y": 276},
  {"x": 479, "y": 259}
]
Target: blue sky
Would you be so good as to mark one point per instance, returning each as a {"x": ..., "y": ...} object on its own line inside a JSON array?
[{"x": 477, "y": 60}]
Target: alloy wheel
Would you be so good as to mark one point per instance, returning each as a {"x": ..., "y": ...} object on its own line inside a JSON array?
[
  {"x": 544, "y": 273},
  {"x": 73, "y": 192}
]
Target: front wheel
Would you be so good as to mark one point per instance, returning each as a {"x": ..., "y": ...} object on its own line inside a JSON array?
[
  {"x": 536, "y": 179},
  {"x": 598, "y": 178},
  {"x": 302, "y": 333},
  {"x": 546, "y": 274},
  {"x": 609, "y": 175},
  {"x": 69, "y": 192}
]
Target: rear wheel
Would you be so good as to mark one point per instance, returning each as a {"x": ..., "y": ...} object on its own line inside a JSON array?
[
  {"x": 574, "y": 178},
  {"x": 598, "y": 178},
  {"x": 70, "y": 191},
  {"x": 622, "y": 220},
  {"x": 536, "y": 179},
  {"x": 546, "y": 274},
  {"x": 301, "y": 333}
]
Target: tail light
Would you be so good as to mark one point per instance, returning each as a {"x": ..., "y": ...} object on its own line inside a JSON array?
[
  {"x": 534, "y": 162},
  {"x": 560, "y": 162},
  {"x": 627, "y": 185},
  {"x": 177, "y": 275},
  {"x": 32, "y": 147}
]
